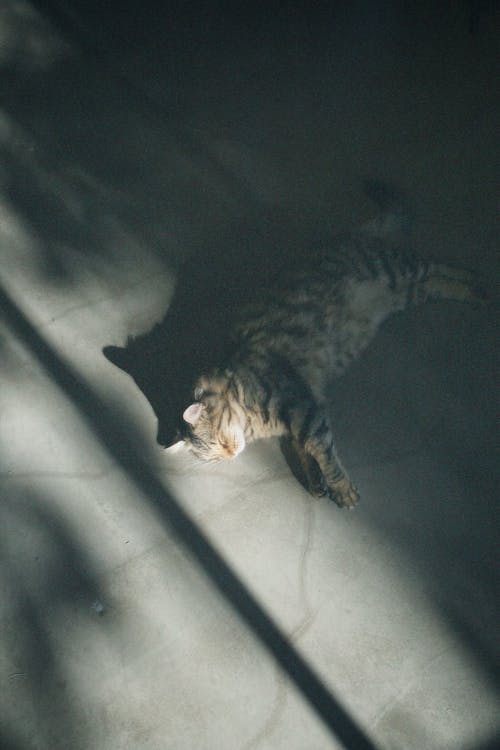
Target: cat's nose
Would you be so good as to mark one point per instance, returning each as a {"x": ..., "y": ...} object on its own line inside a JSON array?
[{"x": 231, "y": 451}]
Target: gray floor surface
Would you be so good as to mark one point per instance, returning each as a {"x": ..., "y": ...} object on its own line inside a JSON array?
[{"x": 127, "y": 145}]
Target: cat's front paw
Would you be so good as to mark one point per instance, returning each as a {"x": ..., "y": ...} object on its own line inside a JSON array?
[{"x": 344, "y": 494}]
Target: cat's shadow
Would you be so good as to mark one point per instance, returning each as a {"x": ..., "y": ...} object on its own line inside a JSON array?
[{"x": 212, "y": 284}]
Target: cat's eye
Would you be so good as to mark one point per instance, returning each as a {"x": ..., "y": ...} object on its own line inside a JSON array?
[{"x": 198, "y": 393}]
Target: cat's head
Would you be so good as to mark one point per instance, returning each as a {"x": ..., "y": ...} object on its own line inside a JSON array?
[{"x": 212, "y": 426}]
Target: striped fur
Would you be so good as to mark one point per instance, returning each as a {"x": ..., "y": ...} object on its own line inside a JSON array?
[{"x": 306, "y": 329}]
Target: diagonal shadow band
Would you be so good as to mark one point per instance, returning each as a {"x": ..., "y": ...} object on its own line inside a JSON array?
[{"x": 99, "y": 419}]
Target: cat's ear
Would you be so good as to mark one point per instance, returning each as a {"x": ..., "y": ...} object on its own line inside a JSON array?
[
  {"x": 192, "y": 413},
  {"x": 118, "y": 356}
]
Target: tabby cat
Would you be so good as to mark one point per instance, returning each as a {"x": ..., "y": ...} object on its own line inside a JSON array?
[{"x": 304, "y": 330}]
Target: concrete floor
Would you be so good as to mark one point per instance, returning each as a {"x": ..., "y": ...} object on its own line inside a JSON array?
[{"x": 129, "y": 142}]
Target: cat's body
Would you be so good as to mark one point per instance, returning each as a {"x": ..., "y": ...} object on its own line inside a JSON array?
[{"x": 303, "y": 331}]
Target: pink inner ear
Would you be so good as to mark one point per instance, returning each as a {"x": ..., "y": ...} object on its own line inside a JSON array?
[{"x": 192, "y": 413}]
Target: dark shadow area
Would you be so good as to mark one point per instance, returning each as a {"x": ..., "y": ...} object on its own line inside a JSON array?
[
  {"x": 82, "y": 136},
  {"x": 69, "y": 173}
]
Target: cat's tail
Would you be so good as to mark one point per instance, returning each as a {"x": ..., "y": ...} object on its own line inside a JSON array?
[
  {"x": 395, "y": 219},
  {"x": 441, "y": 281},
  {"x": 422, "y": 281}
]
